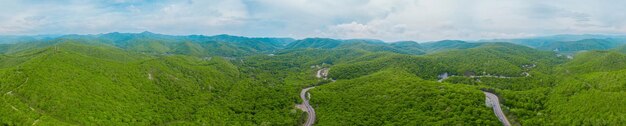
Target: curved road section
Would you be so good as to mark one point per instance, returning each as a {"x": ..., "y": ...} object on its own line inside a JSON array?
[
  {"x": 495, "y": 103},
  {"x": 305, "y": 102}
]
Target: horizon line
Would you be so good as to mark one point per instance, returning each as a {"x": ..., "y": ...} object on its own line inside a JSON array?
[{"x": 302, "y": 38}]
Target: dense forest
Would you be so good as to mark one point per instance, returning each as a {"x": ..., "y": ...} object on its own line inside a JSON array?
[
  {"x": 155, "y": 79},
  {"x": 395, "y": 97}
]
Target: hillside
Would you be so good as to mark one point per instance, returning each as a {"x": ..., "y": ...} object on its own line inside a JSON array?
[
  {"x": 158, "y": 44},
  {"x": 322, "y": 43},
  {"x": 395, "y": 97},
  {"x": 585, "y": 44},
  {"x": 544, "y": 41},
  {"x": 592, "y": 96},
  {"x": 621, "y": 49},
  {"x": 493, "y": 58},
  {"x": 407, "y": 47},
  {"x": 12, "y": 39},
  {"x": 596, "y": 61},
  {"x": 446, "y": 45},
  {"x": 128, "y": 88}
]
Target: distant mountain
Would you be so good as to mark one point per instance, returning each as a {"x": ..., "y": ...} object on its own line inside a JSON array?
[
  {"x": 322, "y": 43},
  {"x": 410, "y": 46},
  {"x": 448, "y": 45},
  {"x": 17, "y": 39},
  {"x": 543, "y": 40},
  {"x": 585, "y": 44},
  {"x": 407, "y": 47},
  {"x": 240, "y": 39},
  {"x": 152, "y": 43},
  {"x": 568, "y": 43}
]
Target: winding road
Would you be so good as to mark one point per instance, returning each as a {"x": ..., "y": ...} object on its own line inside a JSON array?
[
  {"x": 305, "y": 102},
  {"x": 495, "y": 103},
  {"x": 322, "y": 73}
]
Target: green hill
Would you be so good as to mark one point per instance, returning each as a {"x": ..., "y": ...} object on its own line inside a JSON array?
[
  {"x": 411, "y": 46},
  {"x": 595, "y": 98},
  {"x": 596, "y": 61},
  {"x": 360, "y": 44},
  {"x": 448, "y": 45},
  {"x": 395, "y": 97},
  {"x": 322, "y": 43},
  {"x": 493, "y": 58},
  {"x": 547, "y": 41},
  {"x": 158, "y": 44},
  {"x": 585, "y": 44},
  {"x": 407, "y": 47},
  {"x": 85, "y": 85}
]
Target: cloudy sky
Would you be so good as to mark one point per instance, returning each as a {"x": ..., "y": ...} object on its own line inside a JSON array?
[{"x": 389, "y": 20}]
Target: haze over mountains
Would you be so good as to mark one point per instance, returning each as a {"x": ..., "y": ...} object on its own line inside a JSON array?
[{"x": 566, "y": 44}]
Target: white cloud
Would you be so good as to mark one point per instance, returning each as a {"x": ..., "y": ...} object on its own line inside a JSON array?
[
  {"x": 381, "y": 19},
  {"x": 455, "y": 19}
]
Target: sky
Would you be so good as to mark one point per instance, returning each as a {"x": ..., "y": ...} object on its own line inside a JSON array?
[{"x": 390, "y": 20}]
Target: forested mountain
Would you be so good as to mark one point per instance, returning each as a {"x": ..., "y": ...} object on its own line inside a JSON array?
[
  {"x": 406, "y": 47},
  {"x": 449, "y": 45},
  {"x": 154, "y": 79},
  {"x": 488, "y": 59},
  {"x": 591, "y": 92},
  {"x": 321, "y": 43},
  {"x": 543, "y": 40},
  {"x": 147, "y": 42},
  {"x": 77, "y": 84},
  {"x": 585, "y": 44},
  {"x": 596, "y": 61},
  {"x": 395, "y": 97},
  {"x": 11, "y": 39},
  {"x": 569, "y": 44}
]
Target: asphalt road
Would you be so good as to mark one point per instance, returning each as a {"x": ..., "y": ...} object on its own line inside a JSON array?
[
  {"x": 495, "y": 103},
  {"x": 311, "y": 112},
  {"x": 322, "y": 73}
]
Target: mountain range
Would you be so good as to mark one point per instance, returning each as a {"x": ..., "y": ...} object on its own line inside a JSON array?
[{"x": 155, "y": 79}]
